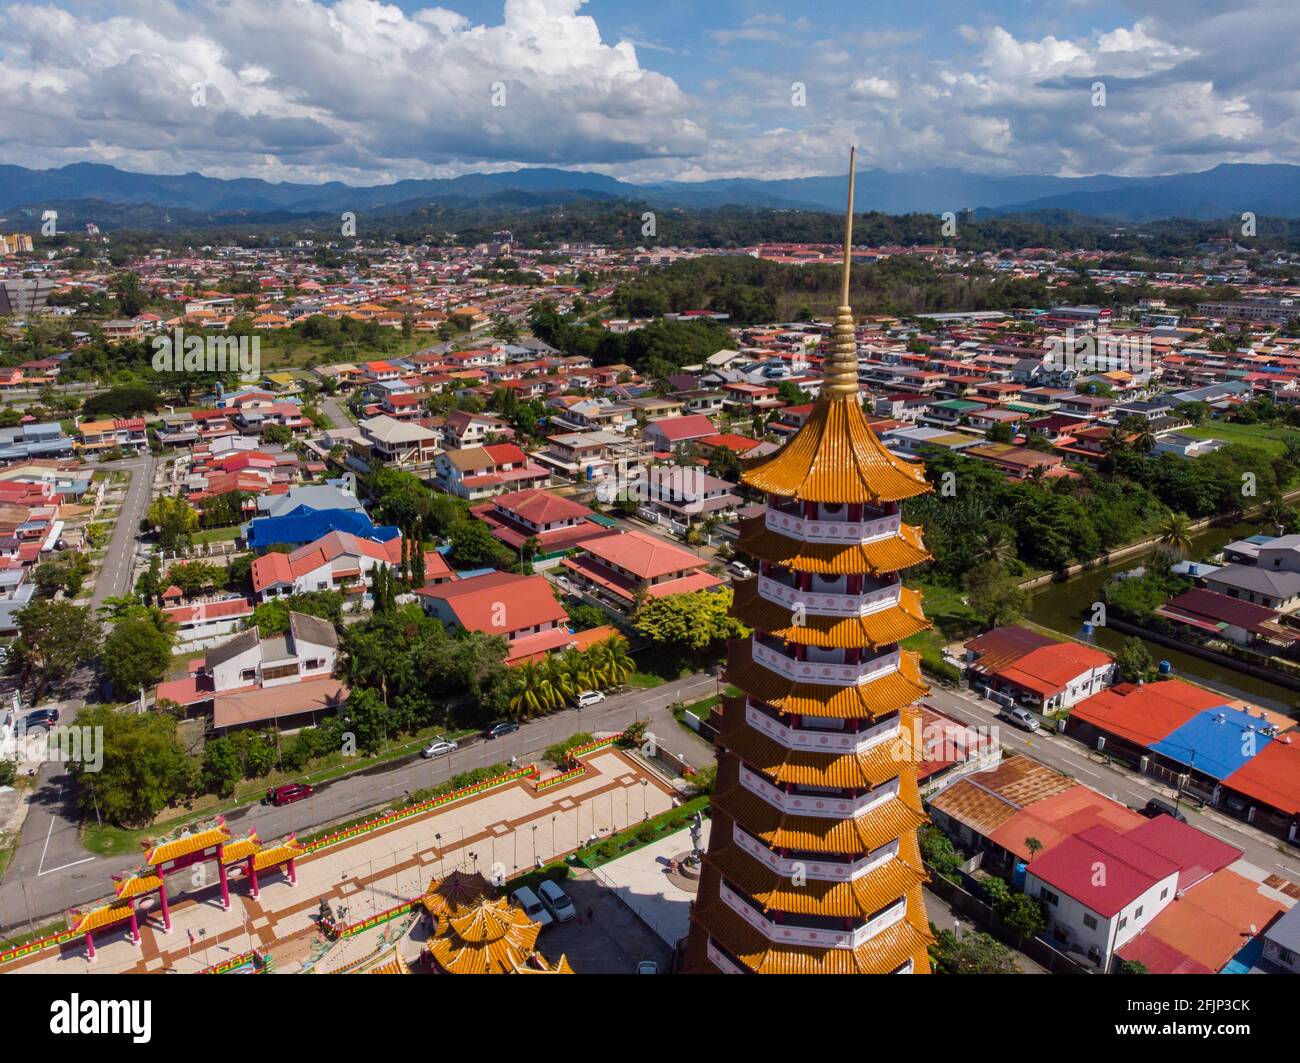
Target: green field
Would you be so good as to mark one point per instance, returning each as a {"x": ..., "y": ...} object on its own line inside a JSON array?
[{"x": 1265, "y": 436}]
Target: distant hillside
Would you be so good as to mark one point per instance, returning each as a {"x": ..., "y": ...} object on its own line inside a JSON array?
[{"x": 1221, "y": 192}]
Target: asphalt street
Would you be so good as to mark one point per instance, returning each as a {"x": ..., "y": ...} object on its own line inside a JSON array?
[{"x": 51, "y": 871}]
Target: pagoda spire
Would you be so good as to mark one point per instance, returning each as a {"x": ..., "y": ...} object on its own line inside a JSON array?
[
  {"x": 813, "y": 863},
  {"x": 841, "y": 368}
]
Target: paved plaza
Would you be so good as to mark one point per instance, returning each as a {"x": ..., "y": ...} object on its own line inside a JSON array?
[
  {"x": 641, "y": 880},
  {"x": 503, "y": 831}
]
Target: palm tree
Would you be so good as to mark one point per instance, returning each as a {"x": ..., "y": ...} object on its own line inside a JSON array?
[
  {"x": 1175, "y": 531},
  {"x": 535, "y": 693},
  {"x": 994, "y": 545},
  {"x": 592, "y": 673},
  {"x": 618, "y": 662},
  {"x": 560, "y": 675}
]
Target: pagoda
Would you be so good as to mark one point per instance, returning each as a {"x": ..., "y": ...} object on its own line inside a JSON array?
[{"x": 813, "y": 864}]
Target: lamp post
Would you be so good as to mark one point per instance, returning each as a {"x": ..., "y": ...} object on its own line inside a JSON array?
[
  {"x": 534, "y": 843},
  {"x": 645, "y": 812}
]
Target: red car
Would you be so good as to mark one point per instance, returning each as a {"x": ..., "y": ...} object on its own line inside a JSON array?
[{"x": 288, "y": 794}]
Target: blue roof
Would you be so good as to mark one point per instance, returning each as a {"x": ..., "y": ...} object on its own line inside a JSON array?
[
  {"x": 1213, "y": 747},
  {"x": 308, "y": 526}
]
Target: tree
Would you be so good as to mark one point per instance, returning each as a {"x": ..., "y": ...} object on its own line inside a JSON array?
[
  {"x": 1134, "y": 661},
  {"x": 973, "y": 953},
  {"x": 472, "y": 545},
  {"x": 1131, "y": 967},
  {"x": 55, "y": 637},
  {"x": 1175, "y": 531},
  {"x": 279, "y": 434},
  {"x": 192, "y": 577},
  {"x": 137, "y": 652},
  {"x": 693, "y": 622},
  {"x": 174, "y": 519},
  {"x": 143, "y": 770},
  {"x": 536, "y": 692},
  {"x": 995, "y": 596}
]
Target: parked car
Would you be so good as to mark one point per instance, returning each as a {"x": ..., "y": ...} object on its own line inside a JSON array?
[
  {"x": 1020, "y": 718},
  {"x": 1156, "y": 807},
  {"x": 740, "y": 570},
  {"x": 532, "y": 906},
  {"x": 289, "y": 793},
  {"x": 590, "y": 697},
  {"x": 505, "y": 727},
  {"x": 647, "y": 967},
  {"x": 557, "y": 901},
  {"x": 440, "y": 748},
  {"x": 42, "y": 717}
]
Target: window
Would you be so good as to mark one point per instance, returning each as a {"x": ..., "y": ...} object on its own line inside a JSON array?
[
  {"x": 1123, "y": 922},
  {"x": 315, "y": 662},
  {"x": 1048, "y": 896},
  {"x": 1090, "y": 921},
  {"x": 1164, "y": 893},
  {"x": 248, "y": 674},
  {"x": 1138, "y": 914}
]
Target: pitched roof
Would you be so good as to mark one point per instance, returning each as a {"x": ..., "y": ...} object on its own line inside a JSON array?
[
  {"x": 313, "y": 629},
  {"x": 499, "y": 602},
  {"x": 540, "y": 507},
  {"x": 1145, "y": 714},
  {"x": 1131, "y": 869},
  {"x": 645, "y": 556}
]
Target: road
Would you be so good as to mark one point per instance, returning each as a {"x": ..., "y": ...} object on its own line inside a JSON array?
[
  {"x": 51, "y": 871},
  {"x": 50, "y": 844},
  {"x": 1071, "y": 758}
]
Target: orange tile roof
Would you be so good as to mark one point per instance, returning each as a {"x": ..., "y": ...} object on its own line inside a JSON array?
[
  {"x": 186, "y": 844},
  {"x": 836, "y": 457},
  {"x": 885, "y": 626},
  {"x": 880, "y": 557},
  {"x": 1146, "y": 714}
]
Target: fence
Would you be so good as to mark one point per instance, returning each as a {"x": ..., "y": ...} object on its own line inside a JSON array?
[{"x": 983, "y": 915}]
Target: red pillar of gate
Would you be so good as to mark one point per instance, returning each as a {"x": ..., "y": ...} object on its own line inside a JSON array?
[
  {"x": 252, "y": 877},
  {"x": 162, "y": 899}
]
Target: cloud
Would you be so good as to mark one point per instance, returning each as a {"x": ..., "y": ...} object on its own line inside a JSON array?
[{"x": 364, "y": 89}]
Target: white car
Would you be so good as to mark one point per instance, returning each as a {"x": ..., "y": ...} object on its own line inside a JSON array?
[
  {"x": 740, "y": 570},
  {"x": 557, "y": 901},
  {"x": 439, "y": 749},
  {"x": 532, "y": 906},
  {"x": 647, "y": 967},
  {"x": 590, "y": 697}
]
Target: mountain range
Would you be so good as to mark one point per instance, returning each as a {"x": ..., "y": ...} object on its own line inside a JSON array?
[{"x": 1225, "y": 190}]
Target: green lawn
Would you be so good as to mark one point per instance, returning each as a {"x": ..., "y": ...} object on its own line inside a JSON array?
[
  {"x": 215, "y": 535},
  {"x": 1266, "y": 437}
]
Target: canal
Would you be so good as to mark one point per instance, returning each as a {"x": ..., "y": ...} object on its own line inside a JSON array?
[{"x": 1064, "y": 607}]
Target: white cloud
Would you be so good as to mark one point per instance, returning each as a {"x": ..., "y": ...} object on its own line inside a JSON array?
[{"x": 364, "y": 89}]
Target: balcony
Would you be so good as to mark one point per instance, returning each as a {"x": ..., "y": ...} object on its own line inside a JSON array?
[
  {"x": 820, "y": 741},
  {"x": 799, "y": 933},
  {"x": 824, "y": 671},
  {"x": 830, "y": 604},
  {"x": 822, "y": 870},
  {"x": 831, "y": 531},
  {"x": 822, "y": 806}
]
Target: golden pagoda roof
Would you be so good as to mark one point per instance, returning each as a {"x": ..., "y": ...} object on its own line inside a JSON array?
[
  {"x": 186, "y": 844},
  {"x": 885, "y": 694},
  {"x": 886, "y": 952},
  {"x": 278, "y": 854},
  {"x": 881, "y": 556},
  {"x": 800, "y": 767},
  {"x": 540, "y": 965},
  {"x": 103, "y": 916},
  {"x": 487, "y": 937},
  {"x": 241, "y": 849},
  {"x": 836, "y": 457},
  {"x": 458, "y": 889},
  {"x": 135, "y": 885},
  {"x": 848, "y": 836},
  {"x": 857, "y": 898},
  {"x": 880, "y": 628}
]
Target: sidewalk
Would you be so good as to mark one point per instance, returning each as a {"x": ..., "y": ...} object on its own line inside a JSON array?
[
  {"x": 640, "y": 881},
  {"x": 501, "y": 833}
]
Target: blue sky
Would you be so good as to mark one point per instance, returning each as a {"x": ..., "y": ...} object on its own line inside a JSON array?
[{"x": 360, "y": 91}]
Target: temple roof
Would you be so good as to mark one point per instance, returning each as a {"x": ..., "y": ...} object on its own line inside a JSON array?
[
  {"x": 880, "y": 556},
  {"x": 836, "y": 457},
  {"x": 187, "y": 844},
  {"x": 888, "y": 693},
  {"x": 886, "y": 952},
  {"x": 858, "y": 898},
  {"x": 801, "y": 767},
  {"x": 854, "y": 836},
  {"x": 880, "y": 628},
  {"x": 458, "y": 889},
  {"x": 488, "y": 937}
]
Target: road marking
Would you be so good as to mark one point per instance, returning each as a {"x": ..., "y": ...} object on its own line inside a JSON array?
[{"x": 64, "y": 867}]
